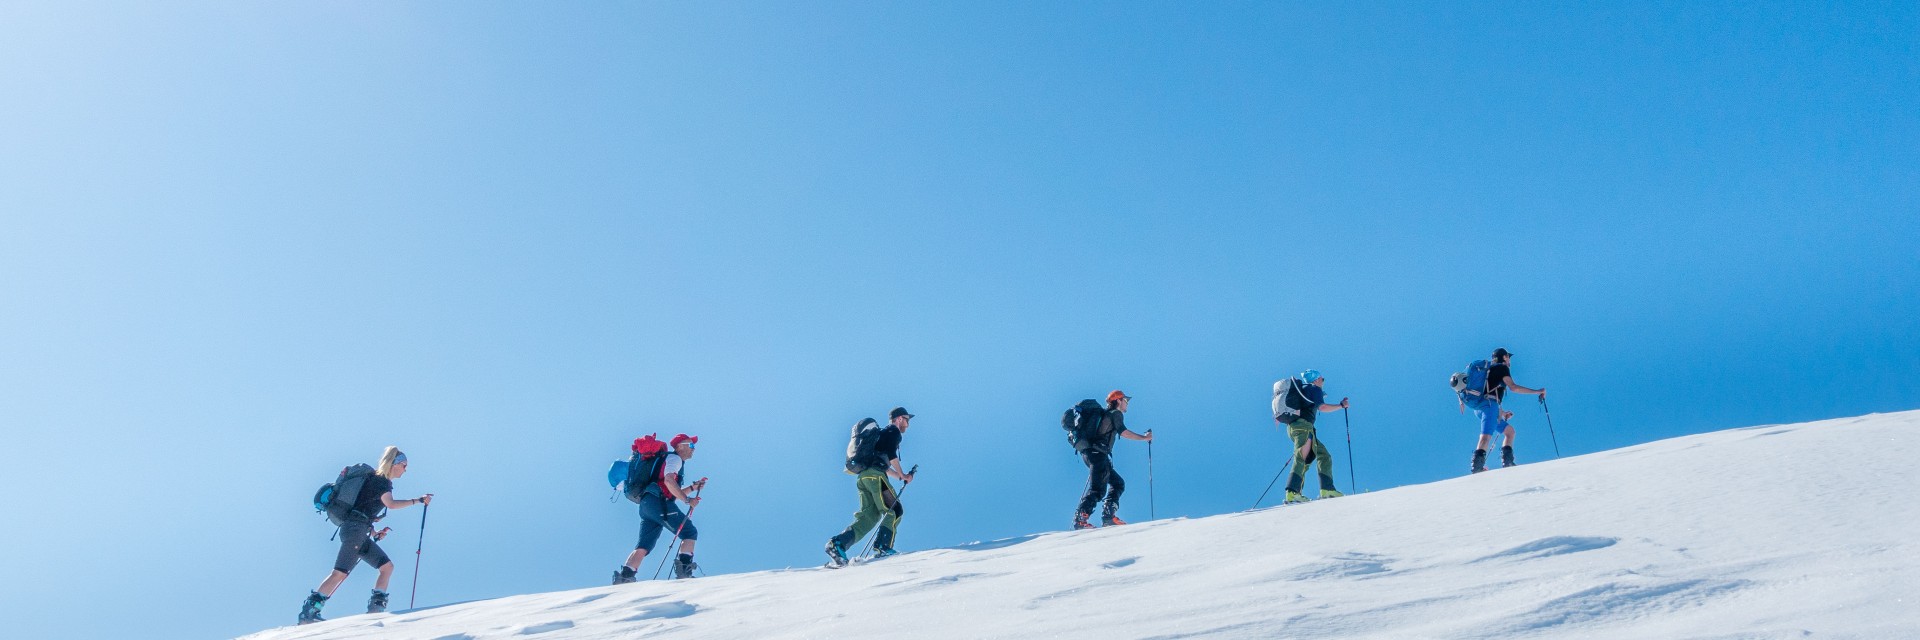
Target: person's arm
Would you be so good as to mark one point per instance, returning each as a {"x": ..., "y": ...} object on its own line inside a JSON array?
[
  {"x": 893, "y": 469},
  {"x": 387, "y": 499},
  {"x": 1334, "y": 407},
  {"x": 1516, "y": 387},
  {"x": 680, "y": 493},
  {"x": 1130, "y": 435}
]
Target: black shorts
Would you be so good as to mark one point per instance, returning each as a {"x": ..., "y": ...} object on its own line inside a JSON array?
[{"x": 356, "y": 545}]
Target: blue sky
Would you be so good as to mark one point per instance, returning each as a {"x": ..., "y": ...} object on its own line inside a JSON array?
[{"x": 243, "y": 245}]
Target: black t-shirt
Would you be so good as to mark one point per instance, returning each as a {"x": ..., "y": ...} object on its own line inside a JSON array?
[
  {"x": 1315, "y": 396},
  {"x": 887, "y": 448},
  {"x": 1110, "y": 428},
  {"x": 368, "y": 504},
  {"x": 1497, "y": 381}
]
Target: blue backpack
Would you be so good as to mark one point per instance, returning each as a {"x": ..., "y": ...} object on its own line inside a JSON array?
[{"x": 1472, "y": 382}]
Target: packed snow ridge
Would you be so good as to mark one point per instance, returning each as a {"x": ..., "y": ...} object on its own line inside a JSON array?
[{"x": 1781, "y": 531}]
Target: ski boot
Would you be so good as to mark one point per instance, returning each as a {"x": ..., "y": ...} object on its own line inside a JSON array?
[
  {"x": 1294, "y": 497},
  {"x": 883, "y": 543},
  {"x": 1110, "y": 520},
  {"x": 836, "y": 554},
  {"x": 1330, "y": 493},
  {"x": 1080, "y": 521},
  {"x": 1479, "y": 461},
  {"x": 310, "y": 611},
  {"x": 377, "y": 603},
  {"x": 683, "y": 567},
  {"x": 1506, "y": 457},
  {"x": 625, "y": 575}
]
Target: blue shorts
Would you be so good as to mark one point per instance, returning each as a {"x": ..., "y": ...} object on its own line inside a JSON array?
[{"x": 1488, "y": 410}]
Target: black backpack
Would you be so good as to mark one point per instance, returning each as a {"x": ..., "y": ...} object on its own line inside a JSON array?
[
  {"x": 644, "y": 469},
  {"x": 336, "y": 498},
  {"x": 1289, "y": 400},
  {"x": 860, "y": 453},
  {"x": 1082, "y": 422}
]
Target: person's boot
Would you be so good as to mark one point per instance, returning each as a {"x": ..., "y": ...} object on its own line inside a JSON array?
[
  {"x": 1479, "y": 460},
  {"x": 310, "y": 611},
  {"x": 1294, "y": 497},
  {"x": 683, "y": 567},
  {"x": 1506, "y": 457},
  {"x": 377, "y": 603},
  {"x": 625, "y": 575},
  {"x": 1110, "y": 517},
  {"x": 883, "y": 543},
  {"x": 836, "y": 554},
  {"x": 1330, "y": 493},
  {"x": 1080, "y": 520}
]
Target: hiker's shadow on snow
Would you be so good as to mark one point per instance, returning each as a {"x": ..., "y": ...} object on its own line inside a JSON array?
[{"x": 996, "y": 544}]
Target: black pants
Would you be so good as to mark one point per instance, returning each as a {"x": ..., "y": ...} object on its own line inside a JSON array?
[
  {"x": 1101, "y": 479},
  {"x": 356, "y": 545}
]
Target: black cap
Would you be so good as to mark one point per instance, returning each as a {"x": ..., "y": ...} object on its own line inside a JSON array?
[
  {"x": 898, "y": 412},
  {"x": 1502, "y": 352}
]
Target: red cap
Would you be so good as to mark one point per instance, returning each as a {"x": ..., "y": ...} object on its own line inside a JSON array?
[
  {"x": 1117, "y": 395},
  {"x": 682, "y": 438}
]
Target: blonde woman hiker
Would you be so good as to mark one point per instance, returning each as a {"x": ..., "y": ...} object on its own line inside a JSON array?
[{"x": 359, "y": 498}]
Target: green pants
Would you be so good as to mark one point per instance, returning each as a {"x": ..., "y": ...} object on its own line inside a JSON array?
[
  {"x": 878, "y": 506},
  {"x": 1304, "y": 438}
]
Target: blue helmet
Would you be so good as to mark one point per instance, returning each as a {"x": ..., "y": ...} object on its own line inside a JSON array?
[{"x": 1308, "y": 376}]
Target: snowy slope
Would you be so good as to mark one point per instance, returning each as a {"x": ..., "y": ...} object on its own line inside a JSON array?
[{"x": 1763, "y": 532}]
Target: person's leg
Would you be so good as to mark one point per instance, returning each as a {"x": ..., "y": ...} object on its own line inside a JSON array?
[
  {"x": 332, "y": 583},
  {"x": 377, "y": 601},
  {"x": 1301, "y": 433},
  {"x": 1099, "y": 466},
  {"x": 680, "y": 523},
  {"x": 1506, "y": 449},
  {"x": 651, "y": 524},
  {"x": 870, "y": 484},
  {"x": 1325, "y": 466},
  {"x": 677, "y": 522},
  {"x": 354, "y": 539},
  {"x": 1488, "y": 412},
  {"x": 1116, "y": 485},
  {"x": 883, "y": 536},
  {"x": 377, "y": 558},
  {"x": 386, "y": 574}
]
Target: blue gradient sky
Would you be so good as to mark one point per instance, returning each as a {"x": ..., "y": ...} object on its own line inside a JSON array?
[{"x": 245, "y": 244}]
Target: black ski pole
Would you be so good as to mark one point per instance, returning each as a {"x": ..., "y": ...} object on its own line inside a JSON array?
[
  {"x": 1549, "y": 412},
  {"x": 883, "y": 518},
  {"x": 417, "y": 546},
  {"x": 1276, "y": 480},
  {"x": 676, "y": 531},
  {"x": 1152, "y": 513},
  {"x": 1353, "y": 484}
]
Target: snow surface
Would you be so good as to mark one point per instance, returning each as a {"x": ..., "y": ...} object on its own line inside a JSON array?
[{"x": 1766, "y": 532}]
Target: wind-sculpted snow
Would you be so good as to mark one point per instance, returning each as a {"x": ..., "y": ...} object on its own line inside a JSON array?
[{"x": 1780, "y": 531}]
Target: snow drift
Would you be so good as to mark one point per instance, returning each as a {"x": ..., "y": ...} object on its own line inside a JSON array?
[{"x": 1764, "y": 532}]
